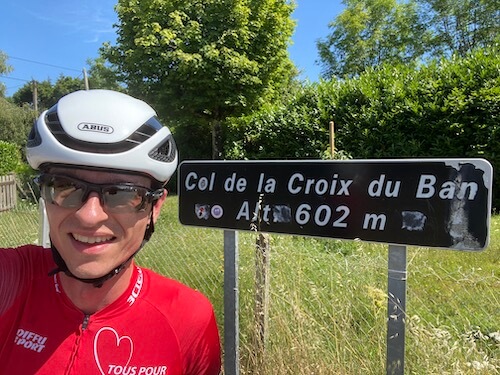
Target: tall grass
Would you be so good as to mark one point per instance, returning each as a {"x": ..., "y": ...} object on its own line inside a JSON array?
[
  {"x": 329, "y": 307},
  {"x": 328, "y": 298},
  {"x": 328, "y": 304}
]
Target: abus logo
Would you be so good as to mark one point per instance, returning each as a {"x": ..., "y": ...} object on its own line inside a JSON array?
[{"x": 97, "y": 128}]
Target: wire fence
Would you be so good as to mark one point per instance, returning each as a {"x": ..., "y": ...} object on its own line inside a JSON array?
[{"x": 326, "y": 311}]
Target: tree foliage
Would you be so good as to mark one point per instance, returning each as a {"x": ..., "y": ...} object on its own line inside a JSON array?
[
  {"x": 371, "y": 32},
  {"x": 4, "y": 70},
  {"x": 15, "y": 122},
  {"x": 203, "y": 59},
  {"x": 103, "y": 75},
  {"x": 460, "y": 26},
  {"x": 10, "y": 157}
]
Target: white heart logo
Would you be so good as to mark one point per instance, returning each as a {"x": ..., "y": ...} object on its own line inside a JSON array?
[{"x": 111, "y": 349}]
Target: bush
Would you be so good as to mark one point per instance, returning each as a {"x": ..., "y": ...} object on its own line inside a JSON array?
[
  {"x": 293, "y": 130},
  {"x": 447, "y": 109},
  {"x": 450, "y": 108},
  {"x": 10, "y": 158},
  {"x": 11, "y": 162},
  {"x": 193, "y": 140},
  {"x": 15, "y": 122}
]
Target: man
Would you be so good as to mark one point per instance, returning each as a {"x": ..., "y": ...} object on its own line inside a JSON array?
[{"x": 84, "y": 306}]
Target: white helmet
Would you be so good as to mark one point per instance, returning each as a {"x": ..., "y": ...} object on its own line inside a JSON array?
[{"x": 103, "y": 129}]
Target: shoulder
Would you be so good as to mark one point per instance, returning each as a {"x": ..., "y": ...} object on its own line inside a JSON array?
[
  {"x": 20, "y": 267},
  {"x": 28, "y": 248},
  {"x": 171, "y": 294},
  {"x": 25, "y": 256},
  {"x": 192, "y": 317}
]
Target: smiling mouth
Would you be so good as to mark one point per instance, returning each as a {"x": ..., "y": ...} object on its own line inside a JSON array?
[{"x": 91, "y": 240}]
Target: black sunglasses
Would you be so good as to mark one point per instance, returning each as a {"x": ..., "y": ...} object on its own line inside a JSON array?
[{"x": 70, "y": 192}]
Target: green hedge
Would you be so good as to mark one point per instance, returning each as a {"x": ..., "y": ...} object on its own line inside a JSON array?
[
  {"x": 289, "y": 131},
  {"x": 15, "y": 122},
  {"x": 10, "y": 158},
  {"x": 448, "y": 108},
  {"x": 445, "y": 109}
]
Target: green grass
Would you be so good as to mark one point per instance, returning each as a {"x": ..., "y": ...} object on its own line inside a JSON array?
[
  {"x": 19, "y": 226},
  {"x": 327, "y": 305}
]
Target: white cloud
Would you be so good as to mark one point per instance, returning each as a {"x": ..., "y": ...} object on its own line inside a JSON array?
[{"x": 91, "y": 21}]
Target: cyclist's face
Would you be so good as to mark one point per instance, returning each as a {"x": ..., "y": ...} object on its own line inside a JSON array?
[{"x": 93, "y": 239}]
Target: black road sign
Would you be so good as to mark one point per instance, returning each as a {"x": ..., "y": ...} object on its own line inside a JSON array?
[{"x": 442, "y": 203}]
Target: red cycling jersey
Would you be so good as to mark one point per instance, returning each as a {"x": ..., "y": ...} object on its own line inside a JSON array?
[{"x": 157, "y": 327}]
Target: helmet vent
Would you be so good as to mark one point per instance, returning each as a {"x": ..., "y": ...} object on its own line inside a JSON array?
[
  {"x": 142, "y": 134},
  {"x": 51, "y": 116},
  {"x": 34, "y": 138},
  {"x": 165, "y": 152}
]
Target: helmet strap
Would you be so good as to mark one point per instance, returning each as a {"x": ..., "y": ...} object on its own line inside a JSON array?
[{"x": 97, "y": 282}]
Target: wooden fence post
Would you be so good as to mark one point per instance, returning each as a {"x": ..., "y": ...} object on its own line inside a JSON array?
[{"x": 332, "y": 139}]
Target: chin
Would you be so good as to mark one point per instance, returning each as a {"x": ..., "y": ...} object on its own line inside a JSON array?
[{"x": 89, "y": 271}]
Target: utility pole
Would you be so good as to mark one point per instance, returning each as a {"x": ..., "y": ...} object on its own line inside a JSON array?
[
  {"x": 85, "y": 79},
  {"x": 35, "y": 97}
]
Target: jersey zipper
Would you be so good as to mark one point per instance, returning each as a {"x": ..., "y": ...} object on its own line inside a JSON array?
[{"x": 85, "y": 323}]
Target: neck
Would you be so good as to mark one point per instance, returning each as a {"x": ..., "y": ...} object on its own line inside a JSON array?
[{"x": 90, "y": 299}]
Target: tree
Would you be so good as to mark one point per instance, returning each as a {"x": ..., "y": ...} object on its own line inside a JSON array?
[
  {"x": 369, "y": 32},
  {"x": 460, "y": 26},
  {"x": 103, "y": 75},
  {"x": 4, "y": 69},
  {"x": 203, "y": 59}
]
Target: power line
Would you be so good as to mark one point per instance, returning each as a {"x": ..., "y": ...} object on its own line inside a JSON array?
[
  {"x": 14, "y": 78},
  {"x": 30, "y": 80},
  {"x": 13, "y": 87},
  {"x": 3, "y": 76},
  {"x": 42, "y": 63}
]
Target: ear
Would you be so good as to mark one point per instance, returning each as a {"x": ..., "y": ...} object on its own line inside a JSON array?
[{"x": 159, "y": 203}]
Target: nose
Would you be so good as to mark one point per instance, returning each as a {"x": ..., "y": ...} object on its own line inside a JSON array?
[{"x": 92, "y": 210}]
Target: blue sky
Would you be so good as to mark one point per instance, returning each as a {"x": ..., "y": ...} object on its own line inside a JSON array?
[{"x": 52, "y": 37}]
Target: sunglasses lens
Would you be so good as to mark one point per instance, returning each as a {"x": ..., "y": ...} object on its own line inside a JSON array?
[
  {"x": 124, "y": 198},
  {"x": 72, "y": 193},
  {"x": 63, "y": 192}
]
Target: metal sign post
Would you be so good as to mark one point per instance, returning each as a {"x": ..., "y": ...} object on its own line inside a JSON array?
[
  {"x": 231, "y": 321},
  {"x": 396, "y": 310}
]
